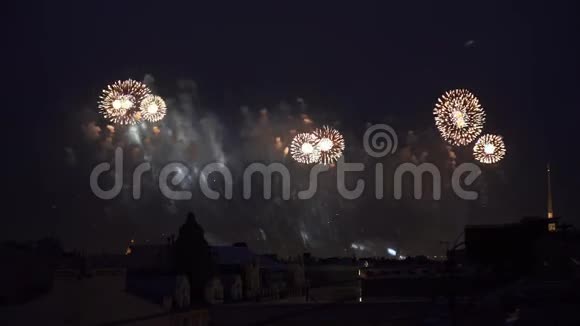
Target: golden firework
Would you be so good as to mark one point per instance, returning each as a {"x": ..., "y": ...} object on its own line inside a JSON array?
[
  {"x": 153, "y": 108},
  {"x": 120, "y": 101},
  {"x": 304, "y": 148},
  {"x": 489, "y": 149},
  {"x": 459, "y": 117},
  {"x": 330, "y": 143}
]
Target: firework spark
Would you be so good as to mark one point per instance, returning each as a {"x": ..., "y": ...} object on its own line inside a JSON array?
[
  {"x": 304, "y": 148},
  {"x": 459, "y": 117},
  {"x": 153, "y": 108},
  {"x": 489, "y": 149},
  {"x": 330, "y": 143},
  {"x": 120, "y": 101}
]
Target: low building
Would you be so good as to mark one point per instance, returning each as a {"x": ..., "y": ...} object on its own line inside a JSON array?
[{"x": 100, "y": 297}]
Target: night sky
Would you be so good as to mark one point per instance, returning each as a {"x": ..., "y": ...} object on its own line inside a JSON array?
[{"x": 351, "y": 63}]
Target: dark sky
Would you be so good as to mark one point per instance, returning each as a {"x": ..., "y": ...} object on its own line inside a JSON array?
[{"x": 365, "y": 61}]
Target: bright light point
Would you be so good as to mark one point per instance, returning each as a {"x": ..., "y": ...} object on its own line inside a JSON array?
[
  {"x": 459, "y": 117},
  {"x": 488, "y": 149},
  {"x": 126, "y": 104},
  {"x": 359, "y": 299},
  {"x": 152, "y": 108},
  {"x": 119, "y": 101},
  {"x": 307, "y": 148},
  {"x": 391, "y": 251},
  {"x": 330, "y": 143},
  {"x": 303, "y": 148},
  {"x": 325, "y": 144}
]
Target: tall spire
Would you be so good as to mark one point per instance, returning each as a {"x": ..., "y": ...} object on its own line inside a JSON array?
[
  {"x": 550, "y": 209},
  {"x": 551, "y": 225}
]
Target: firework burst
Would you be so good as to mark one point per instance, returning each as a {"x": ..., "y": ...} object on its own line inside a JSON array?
[
  {"x": 304, "y": 148},
  {"x": 153, "y": 108},
  {"x": 120, "y": 101},
  {"x": 330, "y": 143},
  {"x": 489, "y": 149},
  {"x": 459, "y": 117}
]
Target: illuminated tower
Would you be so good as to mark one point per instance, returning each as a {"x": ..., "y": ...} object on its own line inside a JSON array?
[{"x": 552, "y": 225}]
